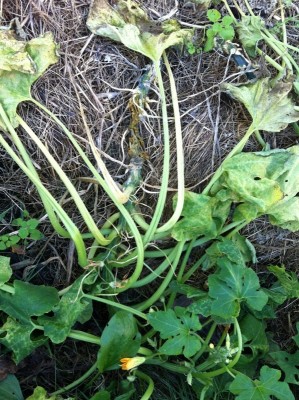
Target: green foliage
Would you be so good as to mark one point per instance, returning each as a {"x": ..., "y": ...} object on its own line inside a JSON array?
[
  {"x": 129, "y": 24},
  {"x": 5, "y": 270},
  {"x": 71, "y": 308},
  {"x": 203, "y": 215},
  {"x": 288, "y": 281},
  {"x": 120, "y": 339},
  {"x": 220, "y": 28},
  {"x": 28, "y": 301},
  {"x": 296, "y": 338},
  {"x": 270, "y": 106},
  {"x": 179, "y": 327},
  {"x": 289, "y": 364},
  {"x": 40, "y": 394},
  {"x": 10, "y": 389},
  {"x": 232, "y": 285},
  {"x": 268, "y": 385},
  {"x": 22, "y": 64},
  {"x": 27, "y": 229}
]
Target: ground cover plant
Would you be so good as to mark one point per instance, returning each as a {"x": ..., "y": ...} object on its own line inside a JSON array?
[{"x": 166, "y": 282}]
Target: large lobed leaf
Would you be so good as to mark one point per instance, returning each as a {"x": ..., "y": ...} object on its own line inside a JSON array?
[
  {"x": 264, "y": 183},
  {"x": 270, "y": 107},
  {"x": 178, "y": 327},
  {"x": 232, "y": 285},
  {"x": 22, "y": 63},
  {"x": 129, "y": 24},
  {"x": 265, "y": 388}
]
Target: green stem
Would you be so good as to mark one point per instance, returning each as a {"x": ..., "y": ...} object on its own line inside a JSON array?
[
  {"x": 157, "y": 272},
  {"x": 159, "y": 292},
  {"x": 203, "y": 392},
  {"x": 77, "y": 382},
  {"x": 151, "y": 386},
  {"x": 134, "y": 230},
  {"x": 84, "y": 337},
  {"x": 23, "y": 152},
  {"x": 117, "y": 305},
  {"x": 206, "y": 342},
  {"x": 68, "y": 184},
  {"x": 70, "y": 226},
  {"x": 181, "y": 272},
  {"x": 166, "y": 161},
  {"x": 260, "y": 139},
  {"x": 271, "y": 61},
  {"x": 179, "y": 151},
  {"x": 222, "y": 370}
]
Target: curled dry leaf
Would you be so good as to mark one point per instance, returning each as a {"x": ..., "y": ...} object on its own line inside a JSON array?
[{"x": 127, "y": 23}]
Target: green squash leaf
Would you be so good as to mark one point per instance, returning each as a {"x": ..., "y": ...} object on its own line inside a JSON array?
[
  {"x": 10, "y": 389},
  {"x": 270, "y": 107},
  {"x": 249, "y": 32},
  {"x": 129, "y": 24},
  {"x": 289, "y": 364},
  {"x": 178, "y": 330},
  {"x": 254, "y": 332},
  {"x": 5, "y": 270},
  {"x": 264, "y": 183},
  {"x": 286, "y": 214},
  {"x": 40, "y": 394},
  {"x": 17, "y": 336},
  {"x": 28, "y": 300},
  {"x": 288, "y": 281},
  {"x": 71, "y": 308},
  {"x": 120, "y": 339},
  {"x": 231, "y": 286},
  {"x": 263, "y": 389},
  {"x": 16, "y": 81},
  {"x": 203, "y": 215}
]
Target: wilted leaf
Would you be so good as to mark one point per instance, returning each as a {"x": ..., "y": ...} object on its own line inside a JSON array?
[
  {"x": 15, "y": 84},
  {"x": 264, "y": 183},
  {"x": 120, "y": 339},
  {"x": 249, "y": 31},
  {"x": 13, "y": 54},
  {"x": 288, "y": 281},
  {"x": 129, "y": 24},
  {"x": 286, "y": 214},
  {"x": 270, "y": 107},
  {"x": 268, "y": 385},
  {"x": 203, "y": 215}
]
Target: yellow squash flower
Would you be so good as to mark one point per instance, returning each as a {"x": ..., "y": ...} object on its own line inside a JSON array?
[{"x": 129, "y": 363}]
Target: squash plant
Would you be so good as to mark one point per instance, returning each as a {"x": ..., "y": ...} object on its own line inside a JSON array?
[{"x": 219, "y": 336}]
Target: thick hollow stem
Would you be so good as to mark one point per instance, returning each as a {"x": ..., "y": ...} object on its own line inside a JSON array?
[
  {"x": 166, "y": 161},
  {"x": 179, "y": 151},
  {"x": 23, "y": 152},
  {"x": 68, "y": 184},
  {"x": 151, "y": 386},
  {"x": 70, "y": 226},
  {"x": 139, "y": 256}
]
